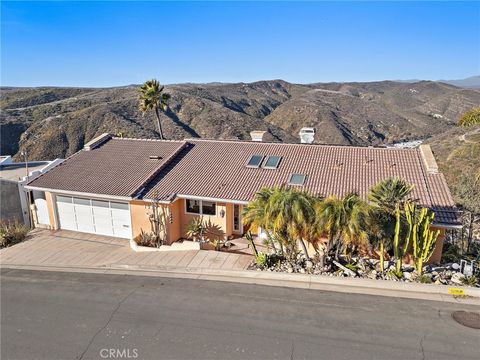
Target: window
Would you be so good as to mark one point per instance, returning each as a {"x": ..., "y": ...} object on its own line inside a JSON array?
[
  {"x": 272, "y": 162},
  {"x": 296, "y": 179},
  {"x": 200, "y": 207},
  {"x": 193, "y": 206},
  {"x": 209, "y": 208},
  {"x": 255, "y": 161}
]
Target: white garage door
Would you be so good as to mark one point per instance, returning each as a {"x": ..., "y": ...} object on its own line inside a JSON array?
[{"x": 94, "y": 216}]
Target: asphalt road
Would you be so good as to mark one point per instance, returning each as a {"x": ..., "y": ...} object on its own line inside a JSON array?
[{"x": 47, "y": 315}]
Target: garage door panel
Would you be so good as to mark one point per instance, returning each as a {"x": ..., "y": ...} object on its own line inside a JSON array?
[
  {"x": 66, "y": 213},
  {"x": 94, "y": 216},
  {"x": 103, "y": 218}
]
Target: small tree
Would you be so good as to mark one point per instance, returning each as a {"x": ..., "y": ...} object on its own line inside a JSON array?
[
  {"x": 470, "y": 117},
  {"x": 420, "y": 234},
  {"x": 467, "y": 193}
]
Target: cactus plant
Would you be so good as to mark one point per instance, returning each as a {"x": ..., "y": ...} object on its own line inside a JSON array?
[
  {"x": 420, "y": 234},
  {"x": 400, "y": 244}
]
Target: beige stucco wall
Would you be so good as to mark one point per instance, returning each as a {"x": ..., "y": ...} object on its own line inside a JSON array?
[
  {"x": 218, "y": 224},
  {"x": 139, "y": 212}
]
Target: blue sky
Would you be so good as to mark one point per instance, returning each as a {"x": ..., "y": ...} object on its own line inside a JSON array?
[{"x": 118, "y": 43}]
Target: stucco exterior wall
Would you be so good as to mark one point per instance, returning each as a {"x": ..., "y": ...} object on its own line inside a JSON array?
[
  {"x": 139, "y": 212},
  {"x": 437, "y": 253},
  {"x": 217, "y": 224}
]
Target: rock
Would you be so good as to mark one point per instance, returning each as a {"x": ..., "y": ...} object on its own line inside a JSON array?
[
  {"x": 302, "y": 271},
  {"x": 407, "y": 275},
  {"x": 437, "y": 282},
  {"x": 457, "y": 278},
  {"x": 290, "y": 270},
  {"x": 455, "y": 266},
  {"x": 309, "y": 264}
]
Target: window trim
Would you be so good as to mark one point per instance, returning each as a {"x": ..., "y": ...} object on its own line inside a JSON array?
[
  {"x": 265, "y": 166},
  {"x": 295, "y": 184},
  {"x": 200, "y": 207},
  {"x": 262, "y": 157}
]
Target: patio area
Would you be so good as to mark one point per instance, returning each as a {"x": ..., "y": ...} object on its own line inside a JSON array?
[{"x": 68, "y": 248}]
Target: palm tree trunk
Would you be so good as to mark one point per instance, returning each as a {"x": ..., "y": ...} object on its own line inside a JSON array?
[
  {"x": 272, "y": 243},
  {"x": 304, "y": 248},
  {"x": 159, "y": 124},
  {"x": 382, "y": 260}
]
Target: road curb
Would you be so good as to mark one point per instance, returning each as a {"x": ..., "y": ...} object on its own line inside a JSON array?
[{"x": 314, "y": 282}]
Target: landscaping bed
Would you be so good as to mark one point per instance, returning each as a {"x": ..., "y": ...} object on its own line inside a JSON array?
[{"x": 362, "y": 267}]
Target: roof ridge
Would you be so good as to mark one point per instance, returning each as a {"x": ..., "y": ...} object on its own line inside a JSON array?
[
  {"x": 300, "y": 144},
  {"x": 146, "y": 139},
  {"x": 155, "y": 172},
  {"x": 424, "y": 175}
]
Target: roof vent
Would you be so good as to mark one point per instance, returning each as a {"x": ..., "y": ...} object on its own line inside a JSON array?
[
  {"x": 257, "y": 135},
  {"x": 307, "y": 135},
  {"x": 428, "y": 159},
  {"x": 155, "y": 157},
  {"x": 99, "y": 140}
]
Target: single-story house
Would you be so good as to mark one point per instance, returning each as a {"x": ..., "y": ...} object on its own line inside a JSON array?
[
  {"x": 108, "y": 187},
  {"x": 16, "y": 200}
]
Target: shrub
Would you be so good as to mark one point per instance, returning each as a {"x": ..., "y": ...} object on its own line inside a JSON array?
[
  {"x": 469, "y": 280},
  {"x": 265, "y": 260},
  {"x": 425, "y": 279},
  {"x": 261, "y": 259},
  {"x": 146, "y": 239},
  {"x": 12, "y": 232},
  {"x": 470, "y": 117},
  {"x": 451, "y": 253}
]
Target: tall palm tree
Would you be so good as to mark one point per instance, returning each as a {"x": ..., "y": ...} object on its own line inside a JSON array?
[
  {"x": 291, "y": 212},
  {"x": 152, "y": 97},
  {"x": 387, "y": 198},
  {"x": 255, "y": 213},
  {"x": 344, "y": 220}
]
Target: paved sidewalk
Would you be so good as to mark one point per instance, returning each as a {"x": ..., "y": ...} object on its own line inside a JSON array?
[
  {"x": 66, "y": 251},
  {"x": 66, "y": 248}
]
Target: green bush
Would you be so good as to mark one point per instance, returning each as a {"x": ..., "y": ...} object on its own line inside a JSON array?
[
  {"x": 261, "y": 259},
  {"x": 12, "y": 232},
  {"x": 451, "y": 253},
  {"x": 470, "y": 281},
  {"x": 425, "y": 279}
]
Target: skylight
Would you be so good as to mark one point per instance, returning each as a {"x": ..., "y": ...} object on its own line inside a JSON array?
[
  {"x": 272, "y": 162},
  {"x": 255, "y": 161},
  {"x": 296, "y": 179}
]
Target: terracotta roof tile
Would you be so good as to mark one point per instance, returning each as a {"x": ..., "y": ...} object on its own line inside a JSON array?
[
  {"x": 117, "y": 167},
  {"x": 216, "y": 169}
]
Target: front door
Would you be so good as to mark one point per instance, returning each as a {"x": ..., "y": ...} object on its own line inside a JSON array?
[{"x": 237, "y": 219}]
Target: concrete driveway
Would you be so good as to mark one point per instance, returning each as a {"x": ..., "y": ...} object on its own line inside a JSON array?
[{"x": 67, "y": 248}]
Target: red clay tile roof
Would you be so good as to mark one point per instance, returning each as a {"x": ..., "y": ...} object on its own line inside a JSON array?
[
  {"x": 216, "y": 169},
  {"x": 117, "y": 167}
]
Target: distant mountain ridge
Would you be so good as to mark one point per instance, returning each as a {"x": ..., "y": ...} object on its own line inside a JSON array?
[{"x": 50, "y": 122}]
